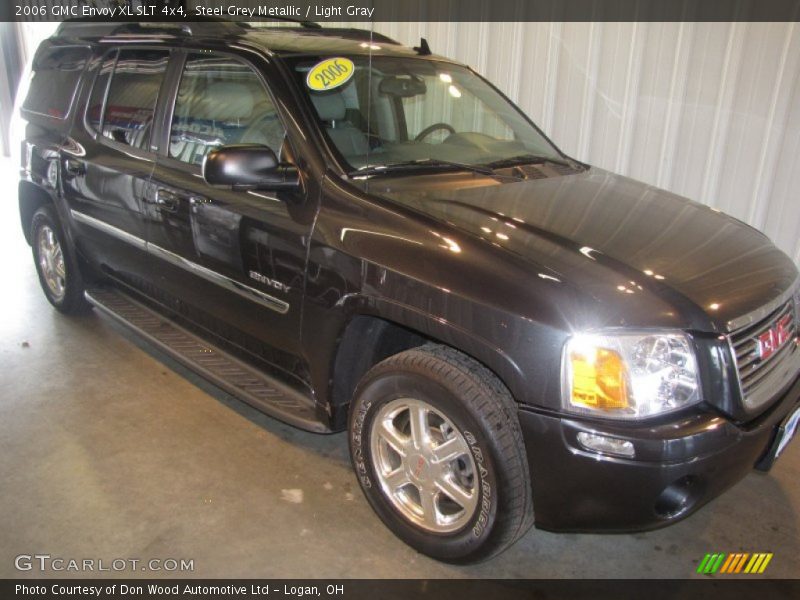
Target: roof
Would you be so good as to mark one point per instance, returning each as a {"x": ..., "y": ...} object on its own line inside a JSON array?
[
  {"x": 294, "y": 40},
  {"x": 302, "y": 38}
]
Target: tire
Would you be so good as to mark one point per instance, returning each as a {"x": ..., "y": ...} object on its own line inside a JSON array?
[
  {"x": 461, "y": 502},
  {"x": 56, "y": 264}
]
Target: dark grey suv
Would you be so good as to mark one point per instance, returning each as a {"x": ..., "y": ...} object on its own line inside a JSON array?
[{"x": 354, "y": 235}]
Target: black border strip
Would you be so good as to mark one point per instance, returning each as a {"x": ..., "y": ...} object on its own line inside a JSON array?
[
  {"x": 432, "y": 10},
  {"x": 730, "y": 588}
]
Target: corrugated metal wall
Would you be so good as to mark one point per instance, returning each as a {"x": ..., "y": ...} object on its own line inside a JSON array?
[{"x": 707, "y": 110}]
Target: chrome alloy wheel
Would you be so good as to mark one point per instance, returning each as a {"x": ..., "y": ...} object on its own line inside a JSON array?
[
  {"x": 51, "y": 262},
  {"x": 424, "y": 465}
]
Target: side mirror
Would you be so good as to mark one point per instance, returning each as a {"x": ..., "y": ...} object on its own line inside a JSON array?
[{"x": 248, "y": 167}]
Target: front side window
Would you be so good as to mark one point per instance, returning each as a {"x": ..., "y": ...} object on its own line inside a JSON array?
[
  {"x": 396, "y": 110},
  {"x": 221, "y": 101},
  {"x": 55, "y": 77},
  {"x": 132, "y": 95}
]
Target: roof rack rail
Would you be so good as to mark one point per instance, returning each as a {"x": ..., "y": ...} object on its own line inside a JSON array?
[
  {"x": 350, "y": 33},
  {"x": 305, "y": 24},
  {"x": 363, "y": 34},
  {"x": 98, "y": 28}
]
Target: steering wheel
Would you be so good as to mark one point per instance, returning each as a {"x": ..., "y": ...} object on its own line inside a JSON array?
[{"x": 431, "y": 128}]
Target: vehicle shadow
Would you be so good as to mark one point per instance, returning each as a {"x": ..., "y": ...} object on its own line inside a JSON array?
[{"x": 330, "y": 446}]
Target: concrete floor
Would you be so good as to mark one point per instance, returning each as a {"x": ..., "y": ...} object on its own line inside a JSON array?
[{"x": 107, "y": 450}]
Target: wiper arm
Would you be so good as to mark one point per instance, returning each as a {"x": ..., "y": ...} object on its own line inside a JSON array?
[
  {"x": 465, "y": 166},
  {"x": 424, "y": 163},
  {"x": 522, "y": 159},
  {"x": 369, "y": 170}
]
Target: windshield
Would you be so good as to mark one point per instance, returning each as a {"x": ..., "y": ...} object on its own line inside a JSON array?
[{"x": 397, "y": 111}]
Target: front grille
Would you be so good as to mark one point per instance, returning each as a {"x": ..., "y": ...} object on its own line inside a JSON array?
[{"x": 759, "y": 375}]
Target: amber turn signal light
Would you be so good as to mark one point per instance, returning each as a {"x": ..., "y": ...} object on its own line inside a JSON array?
[{"x": 598, "y": 379}]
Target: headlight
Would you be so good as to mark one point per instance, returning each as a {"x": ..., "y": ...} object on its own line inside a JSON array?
[{"x": 629, "y": 376}]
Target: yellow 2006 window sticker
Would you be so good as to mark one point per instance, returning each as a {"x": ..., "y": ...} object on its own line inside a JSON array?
[{"x": 330, "y": 74}]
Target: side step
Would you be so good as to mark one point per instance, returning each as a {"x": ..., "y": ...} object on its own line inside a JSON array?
[{"x": 228, "y": 372}]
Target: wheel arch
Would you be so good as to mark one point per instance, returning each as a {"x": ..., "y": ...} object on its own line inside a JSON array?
[
  {"x": 375, "y": 329},
  {"x": 31, "y": 197}
]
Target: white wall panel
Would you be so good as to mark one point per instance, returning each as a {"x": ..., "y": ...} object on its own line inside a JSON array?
[{"x": 707, "y": 110}]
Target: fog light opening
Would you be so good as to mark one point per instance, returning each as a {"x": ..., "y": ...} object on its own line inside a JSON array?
[
  {"x": 606, "y": 445},
  {"x": 678, "y": 497}
]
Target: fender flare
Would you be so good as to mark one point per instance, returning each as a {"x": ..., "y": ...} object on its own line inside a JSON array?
[{"x": 437, "y": 329}]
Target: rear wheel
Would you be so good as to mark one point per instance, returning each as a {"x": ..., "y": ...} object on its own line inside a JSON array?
[
  {"x": 56, "y": 265},
  {"x": 438, "y": 451}
]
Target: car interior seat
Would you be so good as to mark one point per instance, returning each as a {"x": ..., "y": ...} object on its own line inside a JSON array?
[{"x": 348, "y": 138}]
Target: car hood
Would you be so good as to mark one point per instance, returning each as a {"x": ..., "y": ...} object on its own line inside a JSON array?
[{"x": 618, "y": 240}]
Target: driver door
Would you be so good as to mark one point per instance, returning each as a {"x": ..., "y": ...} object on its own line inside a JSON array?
[{"x": 231, "y": 262}]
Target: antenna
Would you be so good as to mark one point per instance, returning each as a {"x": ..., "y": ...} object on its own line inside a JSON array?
[{"x": 423, "y": 49}]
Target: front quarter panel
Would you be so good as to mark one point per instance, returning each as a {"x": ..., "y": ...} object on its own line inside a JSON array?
[{"x": 375, "y": 258}]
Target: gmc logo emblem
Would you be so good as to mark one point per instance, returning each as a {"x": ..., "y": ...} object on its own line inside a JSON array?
[{"x": 770, "y": 341}]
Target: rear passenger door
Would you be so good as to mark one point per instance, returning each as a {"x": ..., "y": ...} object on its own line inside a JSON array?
[
  {"x": 109, "y": 158},
  {"x": 233, "y": 260}
]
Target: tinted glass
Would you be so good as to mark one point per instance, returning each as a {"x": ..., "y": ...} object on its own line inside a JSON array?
[
  {"x": 94, "y": 110},
  {"x": 397, "y": 110},
  {"x": 55, "y": 77},
  {"x": 221, "y": 101},
  {"x": 128, "y": 116}
]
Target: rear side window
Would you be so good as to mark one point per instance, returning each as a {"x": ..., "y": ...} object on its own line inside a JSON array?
[
  {"x": 94, "y": 109},
  {"x": 56, "y": 72},
  {"x": 131, "y": 99}
]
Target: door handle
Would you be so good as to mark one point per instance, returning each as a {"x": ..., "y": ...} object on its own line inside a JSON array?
[
  {"x": 74, "y": 167},
  {"x": 167, "y": 201}
]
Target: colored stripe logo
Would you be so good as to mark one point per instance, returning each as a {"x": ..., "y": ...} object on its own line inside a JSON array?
[{"x": 737, "y": 562}]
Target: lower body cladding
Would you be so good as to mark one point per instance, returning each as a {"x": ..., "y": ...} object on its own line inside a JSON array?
[{"x": 675, "y": 469}]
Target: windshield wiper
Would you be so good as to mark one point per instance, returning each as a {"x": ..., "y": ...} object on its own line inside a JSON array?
[
  {"x": 525, "y": 159},
  {"x": 425, "y": 163}
]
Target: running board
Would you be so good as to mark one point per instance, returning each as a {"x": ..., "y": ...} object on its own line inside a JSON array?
[{"x": 247, "y": 383}]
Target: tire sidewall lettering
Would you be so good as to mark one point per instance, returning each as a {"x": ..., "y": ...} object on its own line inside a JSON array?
[
  {"x": 485, "y": 485},
  {"x": 357, "y": 436}
]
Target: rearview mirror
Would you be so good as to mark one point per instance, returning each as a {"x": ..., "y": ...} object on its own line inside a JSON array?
[
  {"x": 248, "y": 167},
  {"x": 402, "y": 87}
]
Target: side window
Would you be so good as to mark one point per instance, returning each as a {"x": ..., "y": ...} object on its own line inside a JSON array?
[
  {"x": 55, "y": 77},
  {"x": 131, "y": 102},
  {"x": 221, "y": 101},
  {"x": 94, "y": 110}
]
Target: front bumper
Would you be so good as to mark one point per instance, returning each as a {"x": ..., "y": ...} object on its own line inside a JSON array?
[{"x": 678, "y": 467}]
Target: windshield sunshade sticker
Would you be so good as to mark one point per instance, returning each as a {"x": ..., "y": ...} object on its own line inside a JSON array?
[{"x": 330, "y": 73}]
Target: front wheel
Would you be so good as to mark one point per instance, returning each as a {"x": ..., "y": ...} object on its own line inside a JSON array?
[
  {"x": 438, "y": 452},
  {"x": 56, "y": 264}
]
